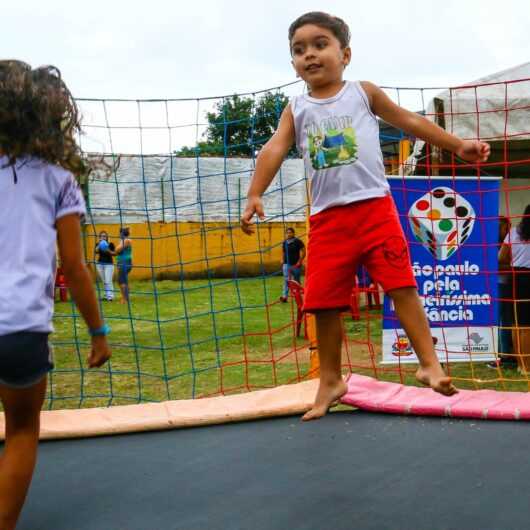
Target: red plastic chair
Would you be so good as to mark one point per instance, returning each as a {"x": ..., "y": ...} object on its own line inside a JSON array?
[
  {"x": 354, "y": 303},
  {"x": 60, "y": 283},
  {"x": 369, "y": 287},
  {"x": 297, "y": 292},
  {"x": 373, "y": 298}
]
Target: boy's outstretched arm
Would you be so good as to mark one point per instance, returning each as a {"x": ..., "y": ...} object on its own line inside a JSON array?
[
  {"x": 268, "y": 163},
  {"x": 412, "y": 123}
]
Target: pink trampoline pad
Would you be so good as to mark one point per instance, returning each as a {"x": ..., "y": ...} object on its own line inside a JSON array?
[{"x": 380, "y": 396}]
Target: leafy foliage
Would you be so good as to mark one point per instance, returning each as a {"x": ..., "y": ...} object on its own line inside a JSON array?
[{"x": 239, "y": 126}]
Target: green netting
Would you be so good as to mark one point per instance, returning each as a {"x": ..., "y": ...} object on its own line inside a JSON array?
[{"x": 204, "y": 316}]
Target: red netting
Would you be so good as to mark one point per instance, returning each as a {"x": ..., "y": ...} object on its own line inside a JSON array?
[{"x": 205, "y": 316}]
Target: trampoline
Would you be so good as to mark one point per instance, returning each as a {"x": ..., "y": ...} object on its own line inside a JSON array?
[{"x": 351, "y": 469}]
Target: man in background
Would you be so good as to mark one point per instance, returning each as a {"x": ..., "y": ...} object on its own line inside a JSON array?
[{"x": 293, "y": 257}]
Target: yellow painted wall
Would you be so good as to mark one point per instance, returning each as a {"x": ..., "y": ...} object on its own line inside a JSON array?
[{"x": 188, "y": 249}]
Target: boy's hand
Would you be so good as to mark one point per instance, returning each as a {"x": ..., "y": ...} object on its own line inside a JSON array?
[
  {"x": 100, "y": 352},
  {"x": 473, "y": 151},
  {"x": 254, "y": 206}
]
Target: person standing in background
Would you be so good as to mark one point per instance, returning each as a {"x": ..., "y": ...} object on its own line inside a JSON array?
[
  {"x": 105, "y": 264},
  {"x": 293, "y": 250},
  {"x": 124, "y": 262},
  {"x": 505, "y": 285},
  {"x": 514, "y": 255}
]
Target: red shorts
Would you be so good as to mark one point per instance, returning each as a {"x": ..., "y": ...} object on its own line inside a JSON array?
[{"x": 365, "y": 232}]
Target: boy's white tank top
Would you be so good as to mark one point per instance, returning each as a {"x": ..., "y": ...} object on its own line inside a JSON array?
[{"x": 339, "y": 140}]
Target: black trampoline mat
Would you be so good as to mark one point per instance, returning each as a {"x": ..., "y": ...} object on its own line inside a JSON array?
[{"x": 350, "y": 470}]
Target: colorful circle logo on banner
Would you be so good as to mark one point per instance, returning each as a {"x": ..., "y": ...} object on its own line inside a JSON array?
[{"x": 441, "y": 220}]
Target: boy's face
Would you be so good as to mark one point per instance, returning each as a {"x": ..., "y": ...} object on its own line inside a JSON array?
[{"x": 317, "y": 55}]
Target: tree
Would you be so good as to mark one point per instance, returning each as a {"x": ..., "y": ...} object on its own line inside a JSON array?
[
  {"x": 230, "y": 125},
  {"x": 201, "y": 149},
  {"x": 239, "y": 126}
]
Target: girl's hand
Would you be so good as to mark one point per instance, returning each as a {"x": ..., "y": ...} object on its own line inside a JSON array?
[
  {"x": 473, "y": 151},
  {"x": 100, "y": 352},
  {"x": 254, "y": 206}
]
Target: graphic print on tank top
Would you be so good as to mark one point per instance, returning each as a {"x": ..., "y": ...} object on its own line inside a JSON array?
[{"x": 331, "y": 142}]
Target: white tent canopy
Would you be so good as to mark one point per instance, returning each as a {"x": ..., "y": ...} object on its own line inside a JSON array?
[{"x": 491, "y": 108}]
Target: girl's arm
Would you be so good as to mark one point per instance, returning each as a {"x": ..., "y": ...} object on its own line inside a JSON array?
[
  {"x": 268, "y": 163},
  {"x": 416, "y": 125},
  {"x": 80, "y": 283}
]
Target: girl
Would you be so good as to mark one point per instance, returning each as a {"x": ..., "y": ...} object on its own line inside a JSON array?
[
  {"x": 124, "y": 261},
  {"x": 105, "y": 265},
  {"x": 38, "y": 194}
]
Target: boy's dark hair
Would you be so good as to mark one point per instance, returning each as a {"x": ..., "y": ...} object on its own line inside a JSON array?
[
  {"x": 290, "y": 228},
  {"x": 125, "y": 232},
  {"x": 38, "y": 116},
  {"x": 336, "y": 25}
]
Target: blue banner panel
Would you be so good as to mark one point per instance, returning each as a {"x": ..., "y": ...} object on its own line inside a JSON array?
[{"x": 452, "y": 227}]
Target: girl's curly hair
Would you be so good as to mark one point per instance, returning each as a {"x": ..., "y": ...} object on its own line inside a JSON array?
[{"x": 39, "y": 117}]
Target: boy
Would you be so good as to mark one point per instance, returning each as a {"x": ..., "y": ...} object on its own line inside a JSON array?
[{"x": 350, "y": 196}]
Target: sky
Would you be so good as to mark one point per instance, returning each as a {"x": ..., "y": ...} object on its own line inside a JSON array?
[{"x": 176, "y": 49}]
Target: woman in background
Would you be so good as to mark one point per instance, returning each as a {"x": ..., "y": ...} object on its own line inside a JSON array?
[
  {"x": 124, "y": 262},
  {"x": 506, "y": 359},
  {"x": 105, "y": 264},
  {"x": 515, "y": 255}
]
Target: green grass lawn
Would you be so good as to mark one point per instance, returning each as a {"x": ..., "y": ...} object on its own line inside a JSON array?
[{"x": 180, "y": 340}]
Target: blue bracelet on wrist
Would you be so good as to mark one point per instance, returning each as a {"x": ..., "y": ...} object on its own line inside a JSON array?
[{"x": 100, "y": 332}]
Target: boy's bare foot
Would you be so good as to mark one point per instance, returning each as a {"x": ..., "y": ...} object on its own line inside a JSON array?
[
  {"x": 435, "y": 378},
  {"x": 327, "y": 395}
]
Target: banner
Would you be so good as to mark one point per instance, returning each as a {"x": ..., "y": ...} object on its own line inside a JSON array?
[{"x": 452, "y": 228}]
